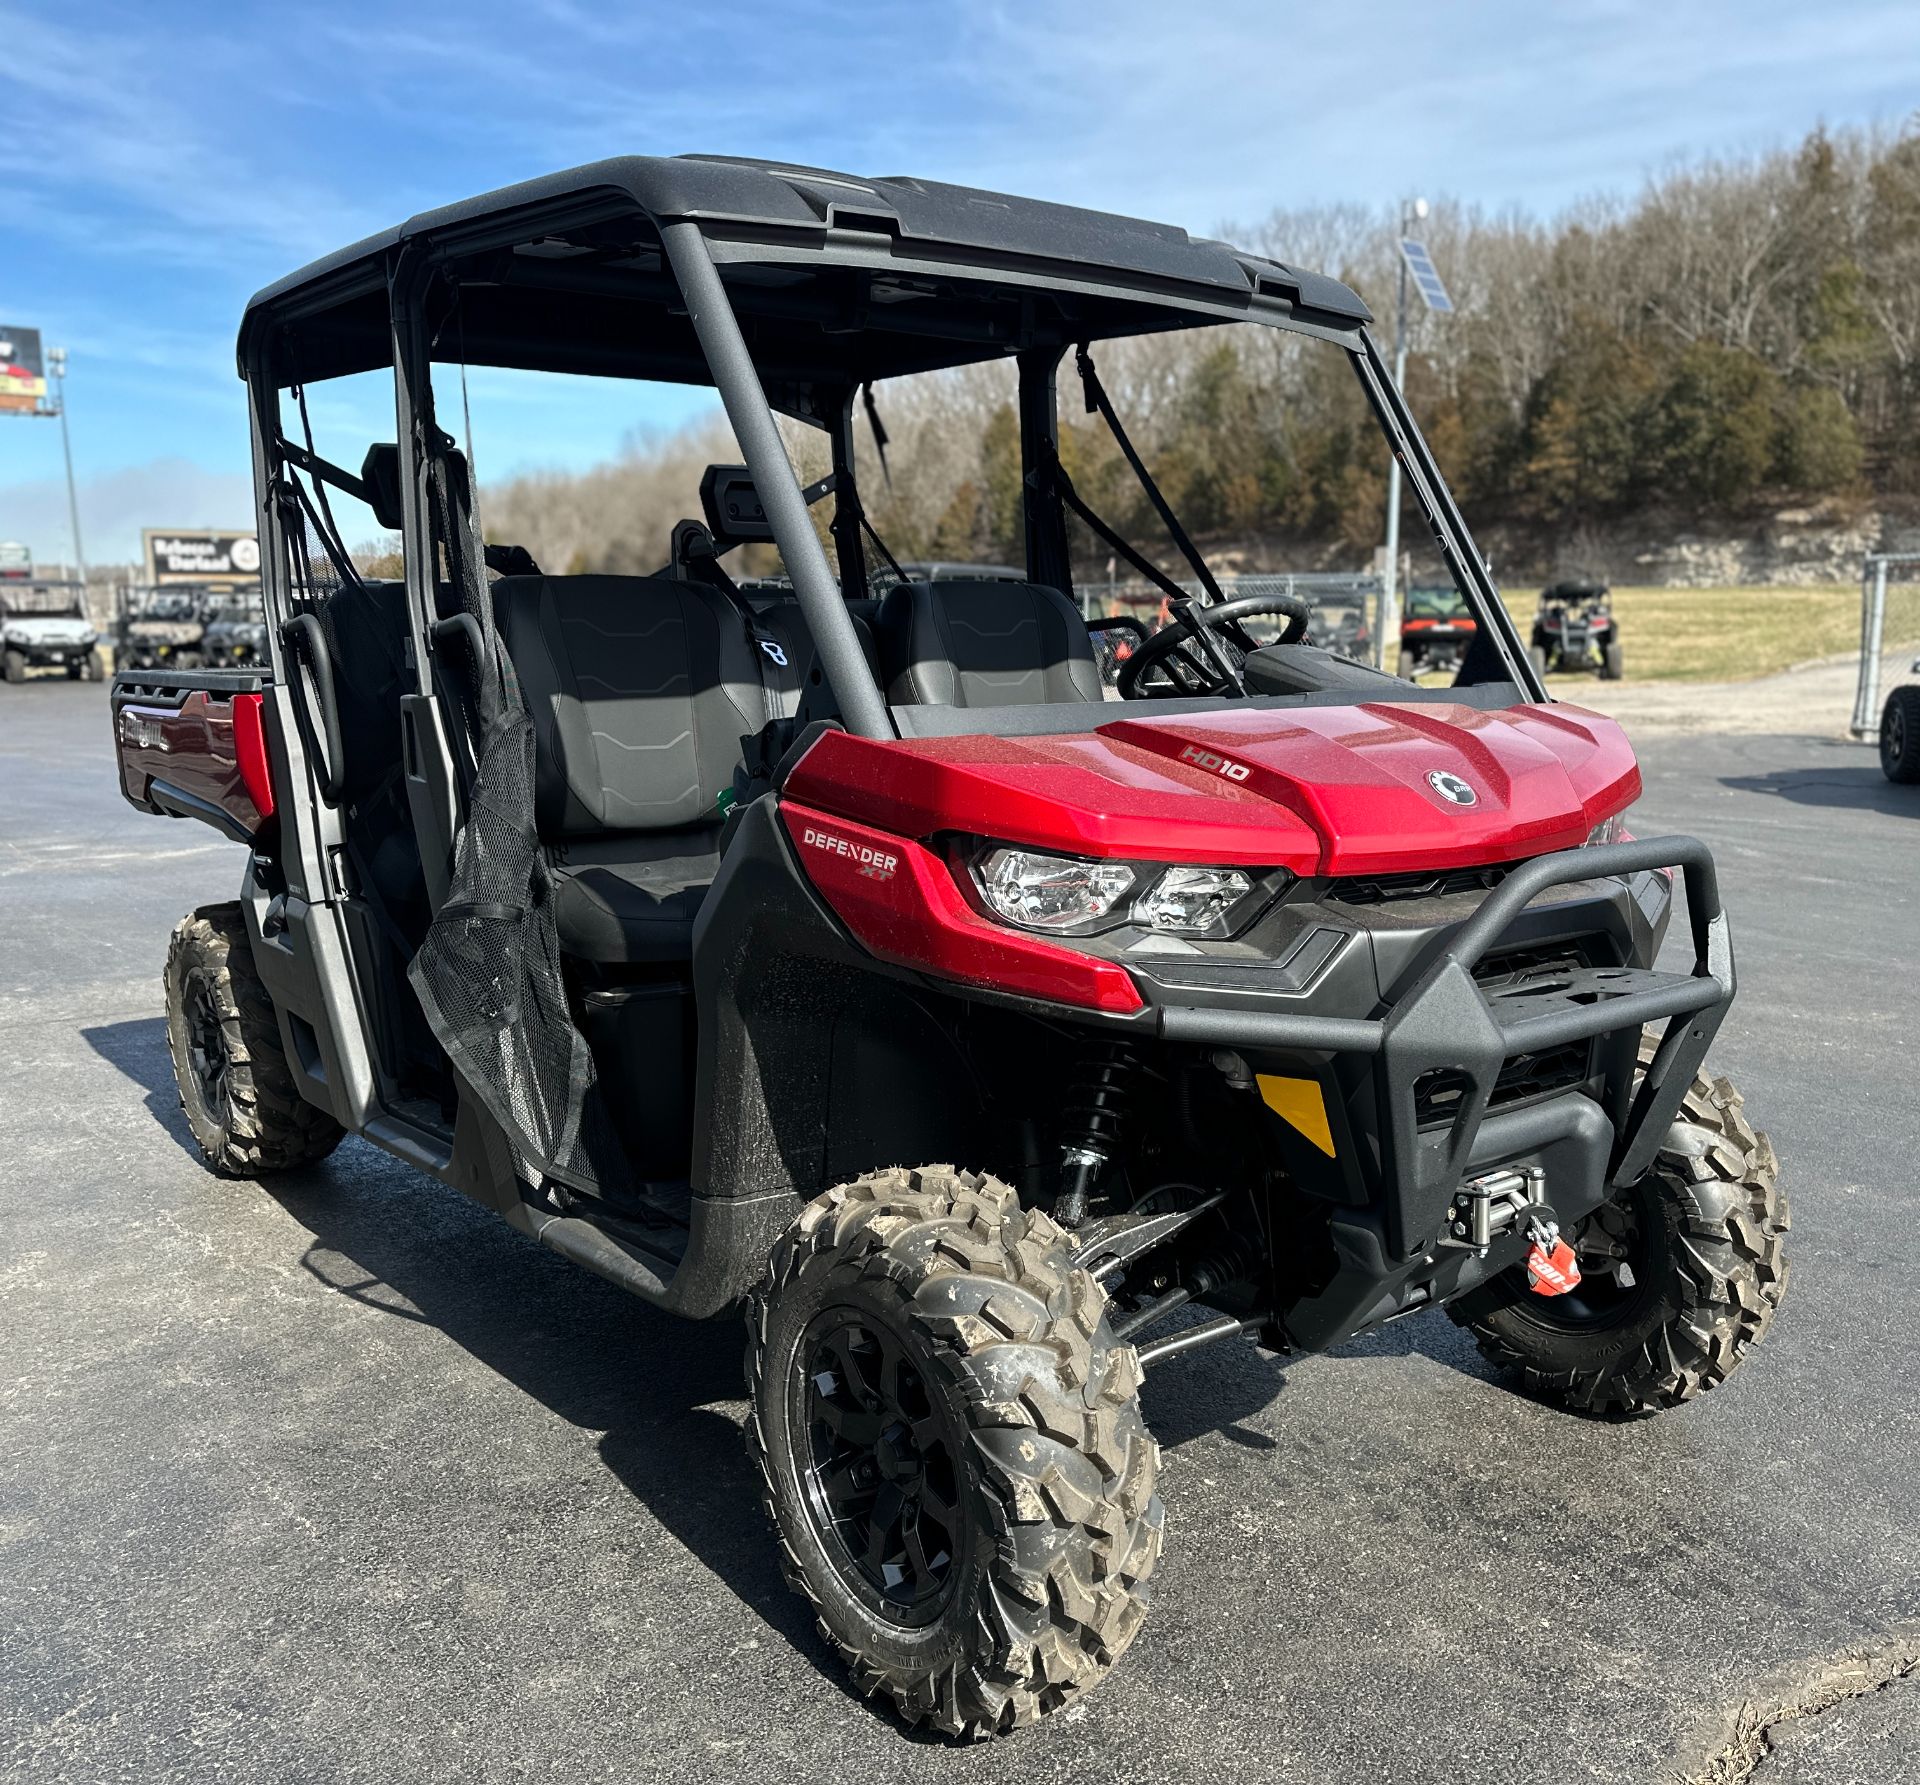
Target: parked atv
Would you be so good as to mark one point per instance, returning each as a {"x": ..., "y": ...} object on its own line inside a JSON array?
[
  {"x": 1340, "y": 626},
  {"x": 858, "y": 964},
  {"x": 1575, "y": 632},
  {"x": 44, "y": 625},
  {"x": 160, "y": 628},
  {"x": 1435, "y": 631},
  {"x": 236, "y": 634}
]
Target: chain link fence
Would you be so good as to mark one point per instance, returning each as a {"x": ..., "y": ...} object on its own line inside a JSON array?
[
  {"x": 1889, "y": 634},
  {"x": 1345, "y": 607}
]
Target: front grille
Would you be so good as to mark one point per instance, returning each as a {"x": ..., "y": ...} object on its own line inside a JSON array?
[
  {"x": 1535, "y": 1075},
  {"x": 1381, "y": 889},
  {"x": 1438, "y": 1096},
  {"x": 1510, "y": 966}
]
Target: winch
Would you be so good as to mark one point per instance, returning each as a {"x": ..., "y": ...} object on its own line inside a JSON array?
[
  {"x": 1486, "y": 1207},
  {"x": 1508, "y": 1201}
]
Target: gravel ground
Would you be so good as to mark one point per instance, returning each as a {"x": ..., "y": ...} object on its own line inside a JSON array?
[
  {"x": 341, "y": 1479},
  {"x": 1810, "y": 700}
]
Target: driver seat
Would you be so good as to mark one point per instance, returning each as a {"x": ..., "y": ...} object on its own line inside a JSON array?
[{"x": 984, "y": 644}]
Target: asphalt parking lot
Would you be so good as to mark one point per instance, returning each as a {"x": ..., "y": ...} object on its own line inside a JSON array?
[{"x": 341, "y": 1479}]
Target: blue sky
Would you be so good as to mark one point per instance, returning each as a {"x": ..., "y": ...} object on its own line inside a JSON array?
[{"x": 160, "y": 161}]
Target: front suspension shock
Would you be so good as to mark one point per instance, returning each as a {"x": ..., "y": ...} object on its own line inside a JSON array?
[{"x": 1091, "y": 1124}]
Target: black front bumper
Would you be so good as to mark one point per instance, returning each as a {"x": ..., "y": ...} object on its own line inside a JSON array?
[{"x": 1446, "y": 1023}]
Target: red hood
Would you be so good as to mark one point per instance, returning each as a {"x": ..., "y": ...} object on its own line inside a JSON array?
[{"x": 1320, "y": 790}]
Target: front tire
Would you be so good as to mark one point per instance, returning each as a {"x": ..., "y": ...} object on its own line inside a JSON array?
[
  {"x": 1900, "y": 736},
  {"x": 1682, "y": 1275},
  {"x": 14, "y": 666},
  {"x": 1538, "y": 658},
  {"x": 236, "y": 1086},
  {"x": 951, "y": 1447},
  {"x": 1613, "y": 664}
]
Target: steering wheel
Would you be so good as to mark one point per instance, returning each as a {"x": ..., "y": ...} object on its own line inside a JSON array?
[{"x": 1179, "y": 660}]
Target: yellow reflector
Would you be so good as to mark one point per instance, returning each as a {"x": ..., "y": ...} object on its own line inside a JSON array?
[{"x": 1299, "y": 1103}]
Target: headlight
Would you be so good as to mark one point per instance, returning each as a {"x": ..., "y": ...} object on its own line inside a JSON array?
[
  {"x": 1193, "y": 901},
  {"x": 1609, "y": 830},
  {"x": 1057, "y": 893},
  {"x": 1066, "y": 895}
]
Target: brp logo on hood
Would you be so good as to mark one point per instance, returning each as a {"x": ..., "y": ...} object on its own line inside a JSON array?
[{"x": 1452, "y": 789}]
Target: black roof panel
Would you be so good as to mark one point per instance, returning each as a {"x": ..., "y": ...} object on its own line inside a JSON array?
[{"x": 936, "y": 220}]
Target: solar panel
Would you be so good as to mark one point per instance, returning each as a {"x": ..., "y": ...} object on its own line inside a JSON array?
[{"x": 1426, "y": 275}]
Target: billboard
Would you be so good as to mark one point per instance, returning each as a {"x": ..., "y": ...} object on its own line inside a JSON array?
[
  {"x": 201, "y": 555},
  {"x": 23, "y": 371},
  {"x": 16, "y": 561}
]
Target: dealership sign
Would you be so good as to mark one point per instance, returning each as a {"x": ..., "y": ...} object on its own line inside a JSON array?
[
  {"x": 23, "y": 371},
  {"x": 201, "y": 555},
  {"x": 16, "y": 561}
]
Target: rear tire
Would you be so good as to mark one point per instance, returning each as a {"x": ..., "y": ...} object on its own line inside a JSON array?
[
  {"x": 236, "y": 1086},
  {"x": 950, "y": 1444},
  {"x": 1612, "y": 664},
  {"x": 1704, "y": 1233},
  {"x": 15, "y": 666},
  {"x": 1900, "y": 736}
]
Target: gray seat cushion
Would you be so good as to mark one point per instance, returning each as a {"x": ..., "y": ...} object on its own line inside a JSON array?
[
  {"x": 984, "y": 644},
  {"x": 631, "y": 901},
  {"x": 641, "y": 690}
]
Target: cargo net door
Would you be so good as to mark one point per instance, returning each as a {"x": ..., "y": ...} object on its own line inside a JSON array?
[{"x": 488, "y": 975}]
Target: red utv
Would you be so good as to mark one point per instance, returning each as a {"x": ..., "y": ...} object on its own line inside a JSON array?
[
  {"x": 1575, "y": 632},
  {"x": 1435, "y": 631},
  {"x": 854, "y": 962}
]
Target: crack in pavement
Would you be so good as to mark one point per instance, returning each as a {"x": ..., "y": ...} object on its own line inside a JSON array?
[{"x": 1814, "y": 1688}]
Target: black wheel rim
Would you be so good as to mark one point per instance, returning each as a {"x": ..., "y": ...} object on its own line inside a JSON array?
[
  {"x": 1895, "y": 746},
  {"x": 207, "y": 1049},
  {"x": 879, "y": 1466},
  {"x": 1614, "y": 1246}
]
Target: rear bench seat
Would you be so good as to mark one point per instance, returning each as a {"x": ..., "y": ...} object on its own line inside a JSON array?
[{"x": 641, "y": 690}]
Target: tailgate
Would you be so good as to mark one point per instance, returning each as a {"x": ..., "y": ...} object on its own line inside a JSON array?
[{"x": 191, "y": 744}]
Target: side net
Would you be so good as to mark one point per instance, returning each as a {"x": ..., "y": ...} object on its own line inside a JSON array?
[{"x": 488, "y": 975}]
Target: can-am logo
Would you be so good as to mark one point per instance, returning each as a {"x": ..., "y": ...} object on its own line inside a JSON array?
[
  {"x": 1452, "y": 789},
  {"x": 875, "y": 864},
  {"x": 141, "y": 733},
  {"x": 1218, "y": 765}
]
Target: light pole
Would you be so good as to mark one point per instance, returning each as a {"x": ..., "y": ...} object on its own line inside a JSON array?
[
  {"x": 57, "y": 365},
  {"x": 1390, "y": 579}
]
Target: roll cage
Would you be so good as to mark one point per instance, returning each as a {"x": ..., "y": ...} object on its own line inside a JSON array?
[{"x": 789, "y": 290}]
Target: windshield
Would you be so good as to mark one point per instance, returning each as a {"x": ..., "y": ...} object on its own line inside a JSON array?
[
  {"x": 1436, "y": 604},
  {"x": 42, "y": 603}
]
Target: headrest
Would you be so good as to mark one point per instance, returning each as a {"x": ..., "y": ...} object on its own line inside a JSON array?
[
  {"x": 380, "y": 472},
  {"x": 733, "y": 508}
]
